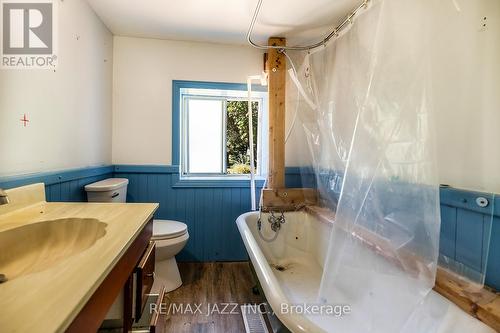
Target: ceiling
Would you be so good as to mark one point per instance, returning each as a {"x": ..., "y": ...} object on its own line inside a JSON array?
[{"x": 222, "y": 21}]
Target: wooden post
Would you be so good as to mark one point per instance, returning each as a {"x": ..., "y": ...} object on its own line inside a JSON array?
[
  {"x": 276, "y": 197},
  {"x": 276, "y": 67}
]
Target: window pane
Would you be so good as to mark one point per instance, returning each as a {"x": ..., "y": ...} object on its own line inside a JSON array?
[
  {"x": 237, "y": 141},
  {"x": 205, "y": 143}
]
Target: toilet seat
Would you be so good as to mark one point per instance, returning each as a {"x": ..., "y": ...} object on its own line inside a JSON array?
[{"x": 167, "y": 229}]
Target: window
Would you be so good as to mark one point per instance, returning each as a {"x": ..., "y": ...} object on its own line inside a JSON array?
[
  {"x": 214, "y": 134},
  {"x": 203, "y": 135}
]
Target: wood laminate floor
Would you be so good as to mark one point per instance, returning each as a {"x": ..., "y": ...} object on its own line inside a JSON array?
[{"x": 214, "y": 289}]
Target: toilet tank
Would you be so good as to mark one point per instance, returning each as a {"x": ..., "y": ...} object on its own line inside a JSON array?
[{"x": 108, "y": 190}]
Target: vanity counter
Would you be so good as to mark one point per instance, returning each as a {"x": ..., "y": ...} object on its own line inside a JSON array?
[{"x": 49, "y": 300}]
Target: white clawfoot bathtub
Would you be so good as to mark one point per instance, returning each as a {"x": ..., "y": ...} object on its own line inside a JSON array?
[{"x": 289, "y": 270}]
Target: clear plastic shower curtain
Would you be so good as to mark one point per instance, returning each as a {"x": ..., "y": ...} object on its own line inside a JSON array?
[{"x": 366, "y": 112}]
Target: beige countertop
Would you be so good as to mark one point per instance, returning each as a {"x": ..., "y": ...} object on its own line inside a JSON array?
[{"x": 49, "y": 300}]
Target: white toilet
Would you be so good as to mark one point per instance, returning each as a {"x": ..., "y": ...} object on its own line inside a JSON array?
[{"x": 170, "y": 236}]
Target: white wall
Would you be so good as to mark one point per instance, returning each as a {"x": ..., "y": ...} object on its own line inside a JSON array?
[
  {"x": 467, "y": 94},
  {"x": 142, "y": 89},
  {"x": 69, "y": 109}
]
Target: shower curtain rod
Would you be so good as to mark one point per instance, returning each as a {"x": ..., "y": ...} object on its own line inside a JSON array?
[{"x": 334, "y": 33}]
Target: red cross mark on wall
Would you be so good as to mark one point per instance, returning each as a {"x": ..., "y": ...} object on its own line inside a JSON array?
[{"x": 25, "y": 120}]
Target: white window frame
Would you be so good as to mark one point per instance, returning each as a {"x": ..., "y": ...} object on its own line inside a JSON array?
[{"x": 225, "y": 96}]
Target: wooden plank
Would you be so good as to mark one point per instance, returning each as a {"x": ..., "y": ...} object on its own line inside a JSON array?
[
  {"x": 213, "y": 283},
  {"x": 276, "y": 67},
  {"x": 288, "y": 199},
  {"x": 483, "y": 304}
]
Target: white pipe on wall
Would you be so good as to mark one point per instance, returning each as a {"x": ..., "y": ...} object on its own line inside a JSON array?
[{"x": 263, "y": 81}]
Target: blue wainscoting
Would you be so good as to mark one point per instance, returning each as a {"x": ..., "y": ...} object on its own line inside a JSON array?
[
  {"x": 465, "y": 231},
  {"x": 297, "y": 177},
  {"x": 210, "y": 209},
  {"x": 65, "y": 185}
]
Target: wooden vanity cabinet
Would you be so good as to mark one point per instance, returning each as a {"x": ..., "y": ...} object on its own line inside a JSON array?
[
  {"x": 149, "y": 309},
  {"x": 153, "y": 321},
  {"x": 93, "y": 313},
  {"x": 144, "y": 274}
]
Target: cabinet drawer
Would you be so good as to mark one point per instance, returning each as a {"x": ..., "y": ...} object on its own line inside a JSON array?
[
  {"x": 153, "y": 319},
  {"x": 144, "y": 279}
]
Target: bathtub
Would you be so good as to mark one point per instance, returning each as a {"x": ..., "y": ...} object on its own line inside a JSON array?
[{"x": 290, "y": 268}]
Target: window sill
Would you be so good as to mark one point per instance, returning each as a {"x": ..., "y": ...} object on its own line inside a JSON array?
[{"x": 217, "y": 182}]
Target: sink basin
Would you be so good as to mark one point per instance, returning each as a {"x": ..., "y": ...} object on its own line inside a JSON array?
[{"x": 36, "y": 247}]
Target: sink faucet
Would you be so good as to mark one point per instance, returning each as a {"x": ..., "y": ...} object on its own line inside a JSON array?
[{"x": 4, "y": 198}]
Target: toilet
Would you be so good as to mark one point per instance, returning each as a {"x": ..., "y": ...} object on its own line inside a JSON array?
[{"x": 170, "y": 237}]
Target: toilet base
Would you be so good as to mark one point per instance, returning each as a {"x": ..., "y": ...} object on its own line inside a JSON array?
[{"x": 167, "y": 274}]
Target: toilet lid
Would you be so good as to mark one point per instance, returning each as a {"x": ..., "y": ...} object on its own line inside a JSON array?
[{"x": 166, "y": 229}]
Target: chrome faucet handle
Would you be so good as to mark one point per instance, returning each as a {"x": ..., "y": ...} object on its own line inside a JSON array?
[
  {"x": 281, "y": 219},
  {"x": 4, "y": 198}
]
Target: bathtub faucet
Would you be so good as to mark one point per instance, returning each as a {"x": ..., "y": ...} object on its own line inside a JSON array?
[{"x": 276, "y": 222}]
